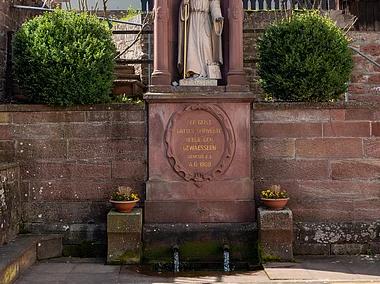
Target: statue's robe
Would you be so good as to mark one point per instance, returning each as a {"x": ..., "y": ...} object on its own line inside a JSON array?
[{"x": 204, "y": 41}]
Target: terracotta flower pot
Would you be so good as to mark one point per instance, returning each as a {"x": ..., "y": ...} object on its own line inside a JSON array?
[
  {"x": 275, "y": 204},
  {"x": 124, "y": 206}
]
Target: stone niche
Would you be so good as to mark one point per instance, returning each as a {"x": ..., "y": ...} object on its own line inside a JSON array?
[
  {"x": 166, "y": 44},
  {"x": 199, "y": 160}
]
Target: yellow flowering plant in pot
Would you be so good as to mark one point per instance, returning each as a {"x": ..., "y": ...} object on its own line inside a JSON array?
[
  {"x": 274, "y": 198},
  {"x": 123, "y": 199}
]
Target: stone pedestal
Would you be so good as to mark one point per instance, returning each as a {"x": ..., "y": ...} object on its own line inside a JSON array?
[
  {"x": 200, "y": 186},
  {"x": 199, "y": 159},
  {"x": 276, "y": 233},
  {"x": 124, "y": 232}
]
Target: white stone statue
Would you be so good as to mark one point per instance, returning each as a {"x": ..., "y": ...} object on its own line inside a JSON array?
[{"x": 204, "y": 25}]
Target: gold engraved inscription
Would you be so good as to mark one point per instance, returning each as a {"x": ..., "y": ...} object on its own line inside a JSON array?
[{"x": 201, "y": 141}]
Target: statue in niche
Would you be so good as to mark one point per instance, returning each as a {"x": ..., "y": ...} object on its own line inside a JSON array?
[{"x": 199, "y": 33}]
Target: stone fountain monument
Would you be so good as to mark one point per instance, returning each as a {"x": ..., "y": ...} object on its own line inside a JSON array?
[{"x": 199, "y": 193}]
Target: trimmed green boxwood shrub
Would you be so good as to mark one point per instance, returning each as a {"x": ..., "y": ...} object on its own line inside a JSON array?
[
  {"x": 304, "y": 58},
  {"x": 64, "y": 58}
]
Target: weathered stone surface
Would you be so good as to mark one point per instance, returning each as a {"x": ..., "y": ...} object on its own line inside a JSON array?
[
  {"x": 194, "y": 211},
  {"x": 346, "y": 129},
  {"x": 343, "y": 169},
  {"x": 310, "y": 249},
  {"x": 340, "y": 249},
  {"x": 329, "y": 148},
  {"x": 10, "y": 201},
  {"x": 200, "y": 241},
  {"x": 49, "y": 246},
  {"x": 276, "y": 233},
  {"x": 358, "y": 232},
  {"x": 130, "y": 222},
  {"x": 124, "y": 232},
  {"x": 283, "y": 169},
  {"x": 289, "y": 130}
]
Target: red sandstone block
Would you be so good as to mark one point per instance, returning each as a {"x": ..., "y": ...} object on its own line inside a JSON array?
[
  {"x": 172, "y": 212},
  {"x": 329, "y": 148},
  {"x": 372, "y": 148},
  {"x": 293, "y": 115},
  {"x": 323, "y": 211},
  {"x": 212, "y": 190},
  {"x": 79, "y": 190},
  {"x": 66, "y": 212},
  {"x": 377, "y": 69},
  {"x": 374, "y": 78},
  {"x": 107, "y": 130},
  {"x": 66, "y": 171},
  {"x": 371, "y": 49},
  {"x": 375, "y": 129},
  {"x": 5, "y": 132},
  {"x": 46, "y": 117},
  {"x": 359, "y": 59},
  {"x": 356, "y": 88},
  {"x": 110, "y": 116},
  {"x": 68, "y": 190},
  {"x": 367, "y": 209},
  {"x": 7, "y": 145},
  {"x": 359, "y": 78},
  {"x": 107, "y": 149},
  {"x": 5, "y": 117},
  {"x": 337, "y": 114},
  {"x": 360, "y": 114},
  {"x": 41, "y": 149},
  {"x": 346, "y": 129},
  {"x": 276, "y": 169},
  {"x": 38, "y": 131},
  {"x": 274, "y": 148},
  {"x": 129, "y": 169},
  {"x": 336, "y": 190},
  {"x": 240, "y": 211},
  {"x": 349, "y": 169},
  {"x": 24, "y": 192},
  {"x": 368, "y": 98},
  {"x": 363, "y": 67},
  {"x": 287, "y": 130}
]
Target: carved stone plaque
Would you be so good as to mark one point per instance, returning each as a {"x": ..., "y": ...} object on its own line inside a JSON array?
[{"x": 200, "y": 142}]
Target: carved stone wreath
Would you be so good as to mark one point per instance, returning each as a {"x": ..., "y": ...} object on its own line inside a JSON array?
[{"x": 220, "y": 154}]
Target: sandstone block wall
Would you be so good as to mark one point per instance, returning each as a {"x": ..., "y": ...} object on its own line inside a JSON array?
[
  {"x": 70, "y": 162},
  {"x": 327, "y": 157}
]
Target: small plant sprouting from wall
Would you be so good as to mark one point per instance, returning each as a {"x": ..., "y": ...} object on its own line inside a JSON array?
[
  {"x": 304, "y": 58},
  {"x": 64, "y": 58}
]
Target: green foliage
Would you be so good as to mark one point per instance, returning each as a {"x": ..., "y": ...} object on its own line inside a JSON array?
[
  {"x": 64, "y": 58},
  {"x": 123, "y": 98},
  {"x": 129, "y": 13},
  {"x": 304, "y": 58}
]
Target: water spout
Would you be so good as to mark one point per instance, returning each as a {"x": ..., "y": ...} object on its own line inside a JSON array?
[
  {"x": 226, "y": 258},
  {"x": 175, "y": 259}
]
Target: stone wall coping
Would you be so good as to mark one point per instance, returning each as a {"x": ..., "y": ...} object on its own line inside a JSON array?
[
  {"x": 99, "y": 107},
  {"x": 318, "y": 105}
]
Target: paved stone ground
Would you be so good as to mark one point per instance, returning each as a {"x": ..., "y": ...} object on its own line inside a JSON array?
[{"x": 306, "y": 269}]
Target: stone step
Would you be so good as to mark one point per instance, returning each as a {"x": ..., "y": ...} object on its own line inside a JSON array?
[
  {"x": 19, "y": 254},
  {"x": 129, "y": 87},
  {"x": 125, "y": 69},
  {"x": 127, "y": 76}
]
